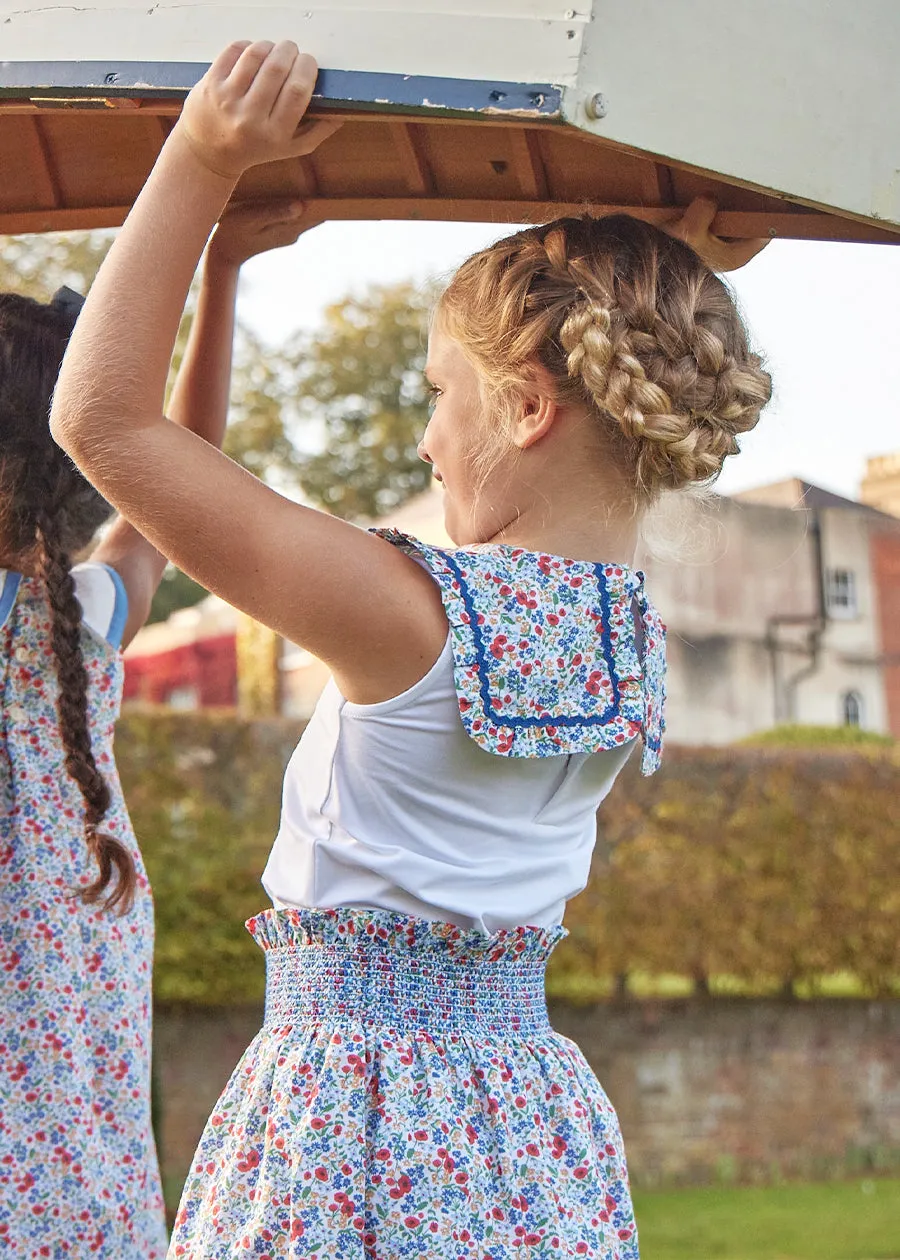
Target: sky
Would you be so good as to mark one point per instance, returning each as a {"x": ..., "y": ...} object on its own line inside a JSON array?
[{"x": 825, "y": 316}]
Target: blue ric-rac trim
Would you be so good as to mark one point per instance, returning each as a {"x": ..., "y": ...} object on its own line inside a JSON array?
[
  {"x": 505, "y": 719},
  {"x": 8, "y": 594},
  {"x": 514, "y": 668},
  {"x": 119, "y": 617}
]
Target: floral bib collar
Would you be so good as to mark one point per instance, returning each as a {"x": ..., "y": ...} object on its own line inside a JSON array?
[{"x": 551, "y": 656}]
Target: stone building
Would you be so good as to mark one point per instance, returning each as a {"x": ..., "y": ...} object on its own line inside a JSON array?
[{"x": 787, "y": 613}]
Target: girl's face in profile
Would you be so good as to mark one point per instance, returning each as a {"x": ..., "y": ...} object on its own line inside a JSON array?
[{"x": 477, "y": 505}]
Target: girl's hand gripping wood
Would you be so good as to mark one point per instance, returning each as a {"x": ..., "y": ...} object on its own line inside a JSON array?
[
  {"x": 693, "y": 227},
  {"x": 247, "y": 108}
]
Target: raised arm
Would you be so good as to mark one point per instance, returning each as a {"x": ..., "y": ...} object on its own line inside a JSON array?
[
  {"x": 199, "y": 399},
  {"x": 351, "y": 598}
]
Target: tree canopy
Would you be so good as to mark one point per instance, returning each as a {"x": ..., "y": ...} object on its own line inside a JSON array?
[{"x": 333, "y": 416}]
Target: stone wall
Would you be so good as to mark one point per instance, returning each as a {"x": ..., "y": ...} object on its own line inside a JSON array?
[{"x": 707, "y": 1091}]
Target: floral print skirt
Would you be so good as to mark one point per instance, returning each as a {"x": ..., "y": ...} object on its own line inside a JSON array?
[{"x": 406, "y": 1096}]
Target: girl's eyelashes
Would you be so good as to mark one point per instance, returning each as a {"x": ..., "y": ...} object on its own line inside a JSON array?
[{"x": 434, "y": 394}]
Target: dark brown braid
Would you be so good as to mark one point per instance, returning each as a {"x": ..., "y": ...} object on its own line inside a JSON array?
[{"x": 47, "y": 512}]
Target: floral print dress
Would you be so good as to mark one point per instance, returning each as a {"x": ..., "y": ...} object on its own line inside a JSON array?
[
  {"x": 407, "y": 1095},
  {"x": 78, "y": 1167}
]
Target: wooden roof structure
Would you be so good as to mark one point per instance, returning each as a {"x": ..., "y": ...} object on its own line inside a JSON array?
[
  {"x": 486, "y": 112},
  {"x": 82, "y": 167}
]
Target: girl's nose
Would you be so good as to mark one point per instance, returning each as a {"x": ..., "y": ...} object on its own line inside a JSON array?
[{"x": 422, "y": 453}]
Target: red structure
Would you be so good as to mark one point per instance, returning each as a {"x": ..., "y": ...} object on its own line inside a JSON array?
[{"x": 197, "y": 675}]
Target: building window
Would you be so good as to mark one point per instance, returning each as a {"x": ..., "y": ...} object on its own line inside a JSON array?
[
  {"x": 840, "y": 593},
  {"x": 852, "y": 705}
]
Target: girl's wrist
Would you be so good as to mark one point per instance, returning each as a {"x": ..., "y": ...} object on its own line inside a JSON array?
[
  {"x": 219, "y": 266},
  {"x": 185, "y": 141},
  {"x": 181, "y": 148}
]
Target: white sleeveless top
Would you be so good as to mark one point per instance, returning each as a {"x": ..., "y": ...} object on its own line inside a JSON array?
[{"x": 472, "y": 796}]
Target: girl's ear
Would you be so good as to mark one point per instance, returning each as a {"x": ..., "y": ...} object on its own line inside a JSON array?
[{"x": 538, "y": 411}]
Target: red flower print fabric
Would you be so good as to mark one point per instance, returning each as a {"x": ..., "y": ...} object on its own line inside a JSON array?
[
  {"x": 406, "y": 1097},
  {"x": 552, "y": 656},
  {"x": 78, "y": 1168}
]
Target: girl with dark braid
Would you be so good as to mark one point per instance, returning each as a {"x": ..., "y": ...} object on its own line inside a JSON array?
[
  {"x": 407, "y": 1095},
  {"x": 78, "y": 1168}
]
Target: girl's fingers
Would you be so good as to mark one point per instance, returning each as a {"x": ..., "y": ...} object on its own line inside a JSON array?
[
  {"x": 311, "y": 135},
  {"x": 287, "y": 211},
  {"x": 698, "y": 218},
  {"x": 247, "y": 67},
  {"x": 271, "y": 77},
  {"x": 227, "y": 59},
  {"x": 296, "y": 91}
]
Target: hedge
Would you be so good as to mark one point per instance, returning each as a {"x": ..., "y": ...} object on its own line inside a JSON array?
[
  {"x": 763, "y": 868},
  {"x": 766, "y": 868},
  {"x": 204, "y": 791}
]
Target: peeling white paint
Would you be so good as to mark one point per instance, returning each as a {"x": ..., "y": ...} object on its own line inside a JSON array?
[{"x": 522, "y": 41}]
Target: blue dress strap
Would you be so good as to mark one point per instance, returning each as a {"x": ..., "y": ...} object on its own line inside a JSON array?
[
  {"x": 9, "y": 589},
  {"x": 104, "y": 602},
  {"x": 120, "y": 609},
  {"x": 551, "y": 656}
]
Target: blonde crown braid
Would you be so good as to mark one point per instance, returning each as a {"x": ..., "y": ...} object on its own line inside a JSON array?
[{"x": 628, "y": 321}]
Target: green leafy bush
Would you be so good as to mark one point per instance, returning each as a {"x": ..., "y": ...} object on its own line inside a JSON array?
[
  {"x": 774, "y": 868},
  {"x": 204, "y": 791}
]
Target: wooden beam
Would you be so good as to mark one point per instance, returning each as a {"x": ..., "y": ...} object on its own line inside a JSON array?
[
  {"x": 800, "y": 225},
  {"x": 21, "y": 222},
  {"x": 40, "y": 160},
  {"x": 411, "y": 152},
  {"x": 528, "y": 164},
  {"x": 665, "y": 185}
]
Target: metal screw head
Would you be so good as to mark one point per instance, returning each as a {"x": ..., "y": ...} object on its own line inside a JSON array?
[{"x": 596, "y": 106}]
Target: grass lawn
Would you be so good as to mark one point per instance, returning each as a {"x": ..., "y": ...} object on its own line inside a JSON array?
[{"x": 852, "y": 1220}]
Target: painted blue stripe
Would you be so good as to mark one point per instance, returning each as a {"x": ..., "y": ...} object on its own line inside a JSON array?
[
  {"x": 116, "y": 629},
  {"x": 357, "y": 88},
  {"x": 597, "y": 719},
  {"x": 8, "y": 595}
]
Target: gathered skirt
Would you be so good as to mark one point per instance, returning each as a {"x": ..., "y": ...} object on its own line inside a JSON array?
[{"x": 406, "y": 1096}]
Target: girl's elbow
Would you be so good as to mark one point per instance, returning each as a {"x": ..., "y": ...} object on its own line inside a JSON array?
[
  {"x": 67, "y": 429},
  {"x": 74, "y": 424}
]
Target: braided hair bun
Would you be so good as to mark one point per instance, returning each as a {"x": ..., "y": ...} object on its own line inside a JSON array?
[
  {"x": 630, "y": 323},
  {"x": 48, "y": 512}
]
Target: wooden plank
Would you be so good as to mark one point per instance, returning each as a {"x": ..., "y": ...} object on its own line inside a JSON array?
[
  {"x": 728, "y": 223},
  {"x": 41, "y": 165},
  {"x": 19, "y": 222},
  {"x": 411, "y": 152},
  {"x": 524, "y": 145}
]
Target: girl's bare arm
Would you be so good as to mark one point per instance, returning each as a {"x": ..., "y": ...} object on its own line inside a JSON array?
[
  {"x": 200, "y": 396},
  {"x": 373, "y": 615}
]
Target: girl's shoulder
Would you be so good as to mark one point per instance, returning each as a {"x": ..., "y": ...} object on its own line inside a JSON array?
[
  {"x": 103, "y": 599},
  {"x": 551, "y": 656},
  {"x": 98, "y": 588}
]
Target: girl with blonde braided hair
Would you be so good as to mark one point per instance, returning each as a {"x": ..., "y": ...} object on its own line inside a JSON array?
[{"x": 407, "y": 1095}]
